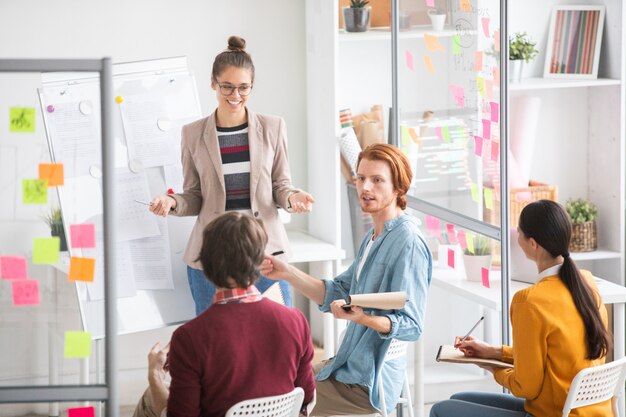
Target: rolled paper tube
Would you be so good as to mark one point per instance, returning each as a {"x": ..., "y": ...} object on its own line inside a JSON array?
[{"x": 383, "y": 300}]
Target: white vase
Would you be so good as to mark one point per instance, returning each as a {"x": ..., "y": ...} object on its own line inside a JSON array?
[
  {"x": 474, "y": 264},
  {"x": 515, "y": 70}
]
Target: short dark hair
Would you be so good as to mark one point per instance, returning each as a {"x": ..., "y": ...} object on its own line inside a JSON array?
[{"x": 233, "y": 246}]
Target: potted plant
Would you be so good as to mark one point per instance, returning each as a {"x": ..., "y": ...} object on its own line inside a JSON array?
[
  {"x": 54, "y": 220},
  {"x": 356, "y": 17},
  {"x": 437, "y": 18},
  {"x": 521, "y": 49},
  {"x": 477, "y": 259},
  {"x": 584, "y": 235}
]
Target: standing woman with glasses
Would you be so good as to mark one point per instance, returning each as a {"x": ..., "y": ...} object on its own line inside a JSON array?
[
  {"x": 234, "y": 159},
  {"x": 559, "y": 328}
]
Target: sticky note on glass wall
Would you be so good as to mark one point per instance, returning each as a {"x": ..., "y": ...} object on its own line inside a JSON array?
[
  {"x": 25, "y": 292},
  {"x": 77, "y": 345},
  {"x": 409, "y": 59},
  {"x": 486, "y": 128},
  {"x": 22, "y": 119},
  {"x": 433, "y": 44},
  {"x": 478, "y": 61},
  {"x": 458, "y": 93},
  {"x": 456, "y": 44},
  {"x": 488, "y": 198},
  {"x": 485, "y": 276},
  {"x": 34, "y": 191},
  {"x": 485, "y": 23},
  {"x": 469, "y": 239},
  {"x": 451, "y": 258},
  {"x": 478, "y": 146},
  {"x": 474, "y": 188},
  {"x": 495, "y": 111},
  {"x": 81, "y": 412},
  {"x": 466, "y": 6},
  {"x": 82, "y": 269},
  {"x": 53, "y": 173},
  {"x": 495, "y": 151},
  {"x": 46, "y": 250},
  {"x": 13, "y": 267},
  {"x": 82, "y": 236},
  {"x": 428, "y": 62}
]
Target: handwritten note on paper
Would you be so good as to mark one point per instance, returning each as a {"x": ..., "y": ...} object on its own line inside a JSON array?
[
  {"x": 77, "y": 345},
  {"x": 495, "y": 111},
  {"x": 13, "y": 267},
  {"x": 83, "y": 236},
  {"x": 466, "y": 6},
  {"x": 433, "y": 44},
  {"x": 81, "y": 412},
  {"x": 478, "y": 61},
  {"x": 451, "y": 258},
  {"x": 25, "y": 292},
  {"x": 488, "y": 198},
  {"x": 82, "y": 269},
  {"x": 486, "y": 128},
  {"x": 458, "y": 93},
  {"x": 409, "y": 60},
  {"x": 474, "y": 188},
  {"x": 485, "y": 23},
  {"x": 429, "y": 64},
  {"x": 478, "y": 146},
  {"x": 22, "y": 119},
  {"x": 456, "y": 44},
  {"x": 485, "y": 276},
  {"x": 46, "y": 250},
  {"x": 53, "y": 173},
  {"x": 34, "y": 191},
  {"x": 495, "y": 151}
]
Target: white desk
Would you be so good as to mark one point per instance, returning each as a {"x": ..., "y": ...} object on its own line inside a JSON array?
[
  {"x": 306, "y": 248},
  {"x": 453, "y": 281}
]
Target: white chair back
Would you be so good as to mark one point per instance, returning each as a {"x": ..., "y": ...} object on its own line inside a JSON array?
[
  {"x": 286, "y": 405},
  {"x": 596, "y": 384}
]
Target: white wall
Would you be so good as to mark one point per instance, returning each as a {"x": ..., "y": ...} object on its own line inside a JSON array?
[{"x": 139, "y": 30}]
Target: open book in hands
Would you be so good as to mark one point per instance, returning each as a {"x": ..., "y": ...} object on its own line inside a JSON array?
[{"x": 448, "y": 353}]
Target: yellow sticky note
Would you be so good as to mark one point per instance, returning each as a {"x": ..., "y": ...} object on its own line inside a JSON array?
[
  {"x": 433, "y": 44},
  {"x": 474, "y": 188},
  {"x": 53, "y": 173},
  {"x": 22, "y": 119},
  {"x": 82, "y": 269},
  {"x": 488, "y": 198},
  {"x": 469, "y": 239},
  {"x": 456, "y": 45},
  {"x": 480, "y": 84},
  {"x": 404, "y": 135},
  {"x": 429, "y": 64},
  {"x": 77, "y": 345},
  {"x": 445, "y": 131},
  {"x": 34, "y": 191},
  {"x": 46, "y": 250}
]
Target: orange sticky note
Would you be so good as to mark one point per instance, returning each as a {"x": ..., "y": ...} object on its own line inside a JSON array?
[
  {"x": 496, "y": 76},
  {"x": 409, "y": 60},
  {"x": 429, "y": 64},
  {"x": 433, "y": 44},
  {"x": 496, "y": 41},
  {"x": 25, "y": 292},
  {"x": 478, "y": 61},
  {"x": 82, "y": 269},
  {"x": 466, "y": 6},
  {"x": 489, "y": 89},
  {"x": 53, "y": 173}
]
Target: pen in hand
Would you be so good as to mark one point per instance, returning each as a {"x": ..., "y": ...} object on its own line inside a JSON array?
[
  {"x": 143, "y": 202},
  {"x": 280, "y": 252},
  {"x": 470, "y": 332}
]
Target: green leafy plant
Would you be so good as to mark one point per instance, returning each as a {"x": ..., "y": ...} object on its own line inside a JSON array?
[
  {"x": 521, "y": 47},
  {"x": 358, "y": 4},
  {"x": 54, "y": 219},
  {"x": 482, "y": 246},
  {"x": 581, "y": 210}
]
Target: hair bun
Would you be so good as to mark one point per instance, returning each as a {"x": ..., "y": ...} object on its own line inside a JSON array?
[{"x": 235, "y": 43}]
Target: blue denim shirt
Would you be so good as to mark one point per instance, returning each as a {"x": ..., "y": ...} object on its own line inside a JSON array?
[{"x": 399, "y": 260}]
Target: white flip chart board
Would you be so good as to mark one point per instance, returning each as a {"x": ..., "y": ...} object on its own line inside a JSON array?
[{"x": 154, "y": 99}]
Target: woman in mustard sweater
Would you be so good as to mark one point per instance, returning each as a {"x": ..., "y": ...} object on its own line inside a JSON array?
[{"x": 559, "y": 328}]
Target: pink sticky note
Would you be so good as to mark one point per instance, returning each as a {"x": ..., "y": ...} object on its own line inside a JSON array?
[
  {"x": 478, "y": 145},
  {"x": 439, "y": 134},
  {"x": 83, "y": 235},
  {"x": 430, "y": 3},
  {"x": 485, "y": 23},
  {"x": 409, "y": 59},
  {"x": 432, "y": 223},
  {"x": 478, "y": 61},
  {"x": 496, "y": 76},
  {"x": 495, "y": 111},
  {"x": 458, "y": 93},
  {"x": 13, "y": 267},
  {"x": 489, "y": 89},
  {"x": 496, "y": 41},
  {"x": 451, "y": 233},
  {"x": 495, "y": 151},
  {"x": 81, "y": 412},
  {"x": 485, "y": 275},
  {"x": 25, "y": 292},
  {"x": 450, "y": 258},
  {"x": 487, "y": 129},
  {"x": 462, "y": 239}
]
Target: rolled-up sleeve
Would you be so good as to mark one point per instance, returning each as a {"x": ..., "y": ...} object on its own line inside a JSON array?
[{"x": 338, "y": 288}]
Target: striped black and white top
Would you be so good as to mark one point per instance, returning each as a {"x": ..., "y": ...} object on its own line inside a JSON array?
[{"x": 235, "y": 152}]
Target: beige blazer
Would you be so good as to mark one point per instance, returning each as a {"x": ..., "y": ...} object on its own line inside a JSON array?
[{"x": 204, "y": 194}]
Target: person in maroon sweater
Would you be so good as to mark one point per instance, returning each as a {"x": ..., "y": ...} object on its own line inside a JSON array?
[{"x": 244, "y": 346}]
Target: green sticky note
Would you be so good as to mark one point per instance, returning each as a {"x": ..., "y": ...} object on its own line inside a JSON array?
[
  {"x": 404, "y": 134},
  {"x": 489, "y": 198},
  {"x": 77, "y": 345},
  {"x": 34, "y": 191},
  {"x": 469, "y": 239},
  {"x": 480, "y": 83},
  {"x": 46, "y": 250},
  {"x": 22, "y": 119},
  {"x": 474, "y": 188},
  {"x": 456, "y": 44},
  {"x": 445, "y": 132}
]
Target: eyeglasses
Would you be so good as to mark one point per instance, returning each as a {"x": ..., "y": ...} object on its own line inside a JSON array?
[{"x": 229, "y": 89}]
